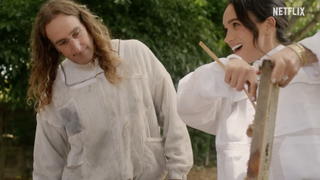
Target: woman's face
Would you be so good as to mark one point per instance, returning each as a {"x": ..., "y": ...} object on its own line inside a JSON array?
[{"x": 239, "y": 37}]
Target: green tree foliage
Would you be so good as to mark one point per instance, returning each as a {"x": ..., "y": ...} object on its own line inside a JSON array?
[
  {"x": 15, "y": 29},
  {"x": 303, "y": 26},
  {"x": 172, "y": 29}
]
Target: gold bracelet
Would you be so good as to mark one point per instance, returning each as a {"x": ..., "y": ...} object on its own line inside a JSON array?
[{"x": 300, "y": 51}]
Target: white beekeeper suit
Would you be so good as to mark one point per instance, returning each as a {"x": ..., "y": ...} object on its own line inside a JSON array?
[{"x": 207, "y": 103}]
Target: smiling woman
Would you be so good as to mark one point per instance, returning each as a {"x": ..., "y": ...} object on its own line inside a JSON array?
[
  {"x": 210, "y": 99},
  {"x": 251, "y": 32}
]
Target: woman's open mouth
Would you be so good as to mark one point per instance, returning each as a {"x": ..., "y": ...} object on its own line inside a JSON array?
[{"x": 237, "y": 48}]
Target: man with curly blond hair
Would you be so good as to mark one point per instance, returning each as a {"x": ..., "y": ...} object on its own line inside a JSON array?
[{"x": 101, "y": 109}]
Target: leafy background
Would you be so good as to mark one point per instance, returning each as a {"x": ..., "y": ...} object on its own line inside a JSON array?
[{"x": 172, "y": 29}]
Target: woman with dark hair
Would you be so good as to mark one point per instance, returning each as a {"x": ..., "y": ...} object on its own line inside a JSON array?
[{"x": 210, "y": 98}]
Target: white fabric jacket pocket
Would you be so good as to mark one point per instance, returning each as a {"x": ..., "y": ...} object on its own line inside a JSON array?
[
  {"x": 75, "y": 156},
  {"x": 154, "y": 159}
]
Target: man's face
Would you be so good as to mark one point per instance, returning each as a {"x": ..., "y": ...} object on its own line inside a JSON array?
[{"x": 70, "y": 37}]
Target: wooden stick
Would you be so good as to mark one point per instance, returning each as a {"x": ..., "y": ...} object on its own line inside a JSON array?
[{"x": 223, "y": 66}]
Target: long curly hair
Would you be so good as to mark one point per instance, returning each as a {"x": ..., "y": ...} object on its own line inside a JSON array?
[{"x": 45, "y": 58}]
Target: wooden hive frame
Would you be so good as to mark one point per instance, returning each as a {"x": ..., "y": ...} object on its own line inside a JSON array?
[{"x": 264, "y": 124}]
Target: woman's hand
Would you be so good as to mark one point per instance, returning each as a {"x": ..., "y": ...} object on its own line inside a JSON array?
[
  {"x": 286, "y": 65},
  {"x": 238, "y": 73}
]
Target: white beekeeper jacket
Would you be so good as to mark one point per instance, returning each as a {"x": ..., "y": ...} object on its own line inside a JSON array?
[
  {"x": 93, "y": 130},
  {"x": 207, "y": 103}
]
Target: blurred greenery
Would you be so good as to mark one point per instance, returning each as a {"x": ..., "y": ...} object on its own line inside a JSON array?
[
  {"x": 172, "y": 29},
  {"x": 304, "y": 26},
  {"x": 15, "y": 29}
]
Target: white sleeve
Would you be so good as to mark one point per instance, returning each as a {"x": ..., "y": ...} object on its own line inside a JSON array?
[
  {"x": 313, "y": 43},
  {"x": 50, "y": 149},
  {"x": 177, "y": 144},
  {"x": 201, "y": 96}
]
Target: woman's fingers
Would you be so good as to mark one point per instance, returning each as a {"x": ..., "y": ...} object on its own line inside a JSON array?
[
  {"x": 286, "y": 65},
  {"x": 238, "y": 73},
  {"x": 253, "y": 90},
  {"x": 278, "y": 70}
]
